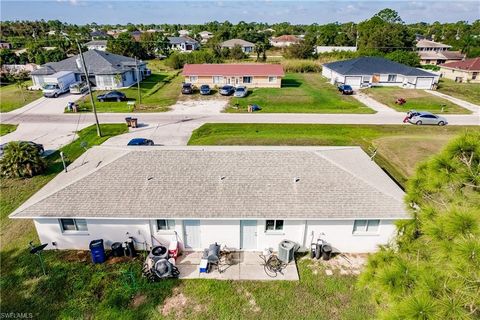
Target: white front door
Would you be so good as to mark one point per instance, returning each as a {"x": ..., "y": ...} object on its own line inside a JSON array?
[
  {"x": 192, "y": 234},
  {"x": 248, "y": 234}
]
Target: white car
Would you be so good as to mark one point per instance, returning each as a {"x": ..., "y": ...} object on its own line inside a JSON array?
[
  {"x": 240, "y": 92},
  {"x": 422, "y": 117}
]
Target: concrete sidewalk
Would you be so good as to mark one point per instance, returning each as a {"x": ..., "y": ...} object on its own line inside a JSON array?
[{"x": 374, "y": 104}]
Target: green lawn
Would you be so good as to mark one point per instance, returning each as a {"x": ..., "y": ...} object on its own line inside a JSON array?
[
  {"x": 12, "y": 97},
  {"x": 400, "y": 147},
  {"x": 158, "y": 91},
  {"x": 7, "y": 128},
  {"x": 300, "y": 93},
  {"x": 416, "y": 100},
  {"x": 466, "y": 91}
]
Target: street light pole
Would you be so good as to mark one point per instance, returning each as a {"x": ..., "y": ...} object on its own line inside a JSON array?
[
  {"x": 92, "y": 101},
  {"x": 138, "y": 82}
]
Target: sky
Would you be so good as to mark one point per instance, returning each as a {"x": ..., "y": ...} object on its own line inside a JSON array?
[{"x": 270, "y": 11}]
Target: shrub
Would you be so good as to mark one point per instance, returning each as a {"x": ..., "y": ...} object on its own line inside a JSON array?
[
  {"x": 177, "y": 59},
  {"x": 21, "y": 160},
  {"x": 301, "y": 66}
]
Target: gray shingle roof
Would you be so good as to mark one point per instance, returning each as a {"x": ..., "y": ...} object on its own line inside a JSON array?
[
  {"x": 233, "y": 42},
  {"x": 180, "y": 40},
  {"x": 370, "y": 65},
  {"x": 98, "y": 62},
  {"x": 97, "y": 43},
  {"x": 219, "y": 183}
]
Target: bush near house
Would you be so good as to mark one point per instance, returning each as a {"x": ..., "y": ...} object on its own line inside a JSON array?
[{"x": 432, "y": 269}]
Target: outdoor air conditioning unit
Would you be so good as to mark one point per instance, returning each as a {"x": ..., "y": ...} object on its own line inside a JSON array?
[{"x": 286, "y": 250}]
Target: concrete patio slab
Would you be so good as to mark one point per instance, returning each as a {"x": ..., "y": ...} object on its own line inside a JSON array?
[{"x": 241, "y": 266}]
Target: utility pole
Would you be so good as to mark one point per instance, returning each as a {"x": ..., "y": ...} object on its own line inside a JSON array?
[
  {"x": 92, "y": 101},
  {"x": 138, "y": 82}
]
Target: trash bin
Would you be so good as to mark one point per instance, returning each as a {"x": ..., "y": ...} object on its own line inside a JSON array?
[
  {"x": 326, "y": 252},
  {"x": 129, "y": 247},
  {"x": 97, "y": 251},
  {"x": 117, "y": 249},
  {"x": 133, "y": 122},
  {"x": 128, "y": 120}
]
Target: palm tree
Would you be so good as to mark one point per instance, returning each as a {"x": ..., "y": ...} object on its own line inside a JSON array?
[{"x": 21, "y": 160}]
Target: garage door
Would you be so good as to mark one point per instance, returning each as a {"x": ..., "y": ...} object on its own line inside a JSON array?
[
  {"x": 353, "y": 81},
  {"x": 424, "y": 83}
]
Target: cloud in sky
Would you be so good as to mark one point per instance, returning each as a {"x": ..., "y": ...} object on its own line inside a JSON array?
[{"x": 271, "y": 11}]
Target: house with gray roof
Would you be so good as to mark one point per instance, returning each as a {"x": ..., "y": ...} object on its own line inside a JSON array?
[
  {"x": 377, "y": 71},
  {"x": 247, "y": 47},
  {"x": 106, "y": 70},
  {"x": 97, "y": 45},
  {"x": 244, "y": 197},
  {"x": 183, "y": 44}
]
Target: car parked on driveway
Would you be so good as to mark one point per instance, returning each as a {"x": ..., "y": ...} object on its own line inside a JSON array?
[
  {"x": 112, "y": 96},
  {"x": 187, "y": 88},
  {"x": 227, "y": 90},
  {"x": 140, "y": 142},
  {"x": 205, "y": 89},
  {"x": 240, "y": 92},
  {"x": 36, "y": 145},
  {"x": 345, "y": 89},
  {"x": 423, "y": 117}
]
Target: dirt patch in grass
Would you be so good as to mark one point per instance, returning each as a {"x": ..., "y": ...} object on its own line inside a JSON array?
[
  {"x": 251, "y": 300},
  {"x": 138, "y": 300},
  {"x": 76, "y": 256},
  {"x": 174, "y": 304},
  {"x": 343, "y": 264}
]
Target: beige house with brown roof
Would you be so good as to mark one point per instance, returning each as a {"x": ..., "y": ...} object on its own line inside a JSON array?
[
  {"x": 284, "y": 41},
  {"x": 462, "y": 71}
]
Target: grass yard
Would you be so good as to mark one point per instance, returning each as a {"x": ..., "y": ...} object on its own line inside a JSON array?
[
  {"x": 12, "y": 97},
  {"x": 400, "y": 147},
  {"x": 7, "y": 128},
  {"x": 300, "y": 93},
  {"x": 158, "y": 91},
  {"x": 416, "y": 100},
  {"x": 466, "y": 91}
]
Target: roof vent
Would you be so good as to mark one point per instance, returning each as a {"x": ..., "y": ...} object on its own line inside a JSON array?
[
  {"x": 223, "y": 177},
  {"x": 150, "y": 178},
  {"x": 296, "y": 179}
]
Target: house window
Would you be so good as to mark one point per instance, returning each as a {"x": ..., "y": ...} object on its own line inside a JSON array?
[
  {"x": 272, "y": 79},
  {"x": 73, "y": 225},
  {"x": 392, "y": 77},
  {"x": 474, "y": 75},
  {"x": 365, "y": 226},
  {"x": 274, "y": 225},
  {"x": 193, "y": 79},
  {"x": 247, "y": 79},
  {"x": 217, "y": 79},
  {"x": 165, "y": 224}
]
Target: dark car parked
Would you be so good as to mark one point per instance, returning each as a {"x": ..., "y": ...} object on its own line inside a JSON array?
[
  {"x": 205, "y": 89},
  {"x": 227, "y": 90},
  {"x": 112, "y": 96},
  {"x": 345, "y": 89},
  {"x": 140, "y": 142},
  {"x": 187, "y": 88},
  {"x": 36, "y": 145}
]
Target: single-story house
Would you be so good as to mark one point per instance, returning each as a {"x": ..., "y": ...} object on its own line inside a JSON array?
[
  {"x": 183, "y": 33},
  {"x": 183, "y": 44},
  {"x": 106, "y": 70},
  {"x": 377, "y": 71},
  {"x": 467, "y": 70},
  {"x": 99, "y": 34},
  {"x": 431, "y": 52},
  {"x": 97, "y": 45},
  {"x": 17, "y": 68},
  {"x": 247, "y": 47},
  {"x": 244, "y": 197},
  {"x": 253, "y": 75},
  {"x": 326, "y": 49},
  {"x": 284, "y": 41}
]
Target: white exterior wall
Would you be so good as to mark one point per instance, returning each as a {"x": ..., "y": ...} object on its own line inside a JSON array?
[
  {"x": 110, "y": 230},
  {"x": 339, "y": 233},
  {"x": 225, "y": 232}
]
